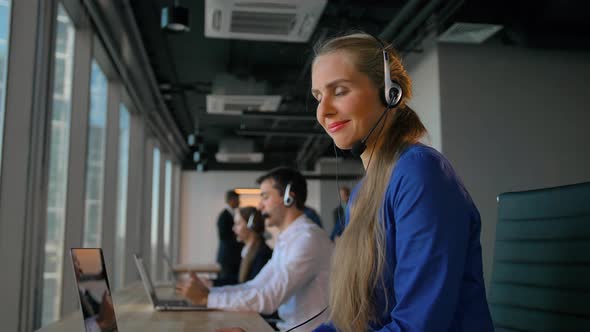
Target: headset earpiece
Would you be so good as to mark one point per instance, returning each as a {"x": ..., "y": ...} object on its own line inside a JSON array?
[
  {"x": 287, "y": 199},
  {"x": 250, "y": 224},
  {"x": 392, "y": 90}
]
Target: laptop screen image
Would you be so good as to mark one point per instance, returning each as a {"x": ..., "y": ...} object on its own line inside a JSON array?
[{"x": 93, "y": 289}]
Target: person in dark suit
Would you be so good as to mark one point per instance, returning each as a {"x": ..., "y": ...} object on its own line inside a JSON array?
[
  {"x": 228, "y": 254},
  {"x": 339, "y": 213},
  {"x": 313, "y": 215}
]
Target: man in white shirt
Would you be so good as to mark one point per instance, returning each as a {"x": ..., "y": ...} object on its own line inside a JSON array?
[{"x": 295, "y": 280}]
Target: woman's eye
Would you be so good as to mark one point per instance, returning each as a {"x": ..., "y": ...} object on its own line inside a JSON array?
[{"x": 339, "y": 91}]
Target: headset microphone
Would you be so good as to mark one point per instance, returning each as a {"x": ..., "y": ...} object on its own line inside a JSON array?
[
  {"x": 265, "y": 216},
  {"x": 359, "y": 147}
]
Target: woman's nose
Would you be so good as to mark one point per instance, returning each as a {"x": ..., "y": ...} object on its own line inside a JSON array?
[{"x": 324, "y": 109}]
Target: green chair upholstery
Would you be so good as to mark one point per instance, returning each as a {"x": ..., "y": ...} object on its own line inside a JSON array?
[{"x": 541, "y": 274}]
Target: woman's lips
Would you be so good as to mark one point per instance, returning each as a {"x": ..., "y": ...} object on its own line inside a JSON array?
[{"x": 334, "y": 127}]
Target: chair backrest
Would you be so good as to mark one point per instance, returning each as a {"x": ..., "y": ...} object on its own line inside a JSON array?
[{"x": 541, "y": 275}]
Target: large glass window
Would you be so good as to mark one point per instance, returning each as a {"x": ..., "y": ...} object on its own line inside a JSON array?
[
  {"x": 155, "y": 211},
  {"x": 58, "y": 166},
  {"x": 168, "y": 209},
  {"x": 95, "y": 158},
  {"x": 123, "y": 170},
  {"x": 4, "y": 35}
]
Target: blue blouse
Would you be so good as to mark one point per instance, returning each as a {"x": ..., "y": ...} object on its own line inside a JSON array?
[{"x": 433, "y": 269}]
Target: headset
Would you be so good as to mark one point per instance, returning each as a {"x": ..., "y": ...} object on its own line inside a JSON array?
[
  {"x": 392, "y": 93},
  {"x": 288, "y": 200},
  {"x": 250, "y": 224},
  {"x": 391, "y": 97}
]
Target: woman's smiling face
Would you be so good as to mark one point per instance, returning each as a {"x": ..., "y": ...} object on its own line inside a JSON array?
[{"x": 348, "y": 102}]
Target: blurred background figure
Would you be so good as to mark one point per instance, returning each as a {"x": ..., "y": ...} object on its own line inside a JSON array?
[
  {"x": 313, "y": 215},
  {"x": 339, "y": 213},
  {"x": 229, "y": 252}
]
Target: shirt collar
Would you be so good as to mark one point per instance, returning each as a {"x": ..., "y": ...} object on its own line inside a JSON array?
[{"x": 229, "y": 209}]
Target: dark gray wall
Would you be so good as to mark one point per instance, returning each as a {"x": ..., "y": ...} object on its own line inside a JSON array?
[
  {"x": 423, "y": 70},
  {"x": 513, "y": 119}
]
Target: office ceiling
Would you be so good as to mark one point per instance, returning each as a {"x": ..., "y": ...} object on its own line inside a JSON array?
[{"x": 188, "y": 66}]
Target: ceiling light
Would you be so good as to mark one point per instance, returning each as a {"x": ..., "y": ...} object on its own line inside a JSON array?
[
  {"x": 247, "y": 191},
  {"x": 175, "y": 18}
]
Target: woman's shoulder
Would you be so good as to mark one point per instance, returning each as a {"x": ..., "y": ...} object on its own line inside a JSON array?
[
  {"x": 419, "y": 151},
  {"x": 421, "y": 166},
  {"x": 420, "y": 159},
  {"x": 264, "y": 248},
  {"x": 264, "y": 252}
]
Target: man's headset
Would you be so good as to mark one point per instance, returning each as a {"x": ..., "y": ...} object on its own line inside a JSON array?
[
  {"x": 288, "y": 200},
  {"x": 391, "y": 97}
]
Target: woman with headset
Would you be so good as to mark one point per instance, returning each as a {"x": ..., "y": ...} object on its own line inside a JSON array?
[
  {"x": 249, "y": 229},
  {"x": 410, "y": 256}
]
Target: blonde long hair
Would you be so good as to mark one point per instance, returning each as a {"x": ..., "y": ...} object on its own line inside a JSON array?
[{"x": 359, "y": 257}]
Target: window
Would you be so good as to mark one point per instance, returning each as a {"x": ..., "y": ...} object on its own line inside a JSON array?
[
  {"x": 95, "y": 158},
  {"x": 58, "y": 167},
  {"x": 155, "y": 211},
  {"x": 168, "y": 209},
  {"x": 123, "y": 170},
  {"x": 4, "y": 34}
]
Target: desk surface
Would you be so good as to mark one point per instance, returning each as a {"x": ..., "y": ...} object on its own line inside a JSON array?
[{"x": 135, "y": 314}]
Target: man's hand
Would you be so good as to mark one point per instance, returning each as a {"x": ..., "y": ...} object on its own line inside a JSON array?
[
  {"x": 194, "y": 290},
  {"x": 207, "y": 282}
]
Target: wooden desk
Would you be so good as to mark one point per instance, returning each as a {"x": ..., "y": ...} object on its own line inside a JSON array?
[
  {"x": 135, "y": 314},
  {"x": 197, "y": 268}
]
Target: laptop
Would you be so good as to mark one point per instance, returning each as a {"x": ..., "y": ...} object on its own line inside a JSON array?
[
  {"x": 162, "y": 304},
  {"x": 93, "y": 289}
]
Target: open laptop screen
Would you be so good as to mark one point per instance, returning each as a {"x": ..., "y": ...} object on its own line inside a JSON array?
[{"x": 93, "y": 289}]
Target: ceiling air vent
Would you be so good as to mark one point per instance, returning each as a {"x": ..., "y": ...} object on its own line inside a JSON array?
[
  {"x": 473, "y": 33},
  {"x": 238, "y": 151},
  {"x": 265, "y": 20},
  {"x": 235, "y": 104}
]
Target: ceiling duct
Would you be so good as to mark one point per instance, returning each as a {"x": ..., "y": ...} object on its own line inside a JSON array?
[
  {"x": 235, "y": 104},
  {"x": 472, "y": 33},
  {"x": 238, "y": 151},
  {"x": 264, "y": 20}
]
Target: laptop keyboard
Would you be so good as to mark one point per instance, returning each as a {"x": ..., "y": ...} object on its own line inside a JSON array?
[{"x": 175, "y": 303}]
